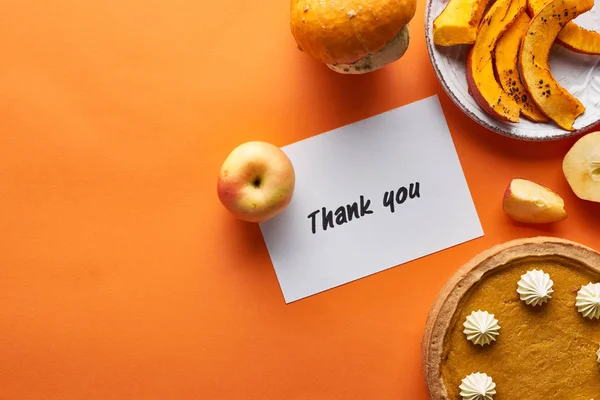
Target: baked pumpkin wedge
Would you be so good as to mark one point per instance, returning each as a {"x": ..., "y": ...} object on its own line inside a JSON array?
[
  {"x": 481, "y": 78},
  {"x": 459, "y": 22},
  {"x": 507, "y": 68},
  {"x": 554, "y": 100},
  {"x": 572, "y": 36}
]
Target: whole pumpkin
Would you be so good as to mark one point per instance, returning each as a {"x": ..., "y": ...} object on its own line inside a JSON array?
[{"x": 352, "y": 36}]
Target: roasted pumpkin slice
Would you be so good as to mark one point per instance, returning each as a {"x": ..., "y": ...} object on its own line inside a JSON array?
[
  {"x": 459, "y": 22},
  {"x": 572, "y": 36},
  {"x": 507, "y": 67},
  {"x": 554, "y": 100},
  {"x": 579, "y": 39},
  {"x": 481, "y": 78}
]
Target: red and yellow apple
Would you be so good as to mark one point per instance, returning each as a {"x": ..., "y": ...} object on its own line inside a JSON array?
[
  {"x": 528, "y": 202},
  {"x": 256, "y": 181},
  {"x": 581, "y": 167}
]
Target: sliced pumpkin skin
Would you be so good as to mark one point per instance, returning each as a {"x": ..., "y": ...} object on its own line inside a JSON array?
[
  {"x": 481, "y": 79},
  {"x": 554, "y": 100},
  {"x": 508, "y": 70},
  {"x": 459, "y": 22},
  {"x": 572, "y": 36}
]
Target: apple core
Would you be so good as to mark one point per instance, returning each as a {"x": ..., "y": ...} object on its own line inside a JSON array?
[{"x": 595, "y": 170}]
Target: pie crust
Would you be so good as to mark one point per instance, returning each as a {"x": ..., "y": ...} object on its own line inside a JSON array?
[{"x": 448, "y": 300}]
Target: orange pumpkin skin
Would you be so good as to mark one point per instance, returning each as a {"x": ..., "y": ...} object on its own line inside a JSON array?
[
  {"x": 554, "y": 100},
  {"x": 344, "y": 32},
  {"x": 476, "y": 93},
  {"x": 572, "y": 36},
  {"x": 484, "y": 88}
]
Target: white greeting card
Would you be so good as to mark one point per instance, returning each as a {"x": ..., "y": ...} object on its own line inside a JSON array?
[{"x": 370, "y": 196}]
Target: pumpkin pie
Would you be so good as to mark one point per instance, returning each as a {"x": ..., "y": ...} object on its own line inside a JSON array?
[{"x": 546, "y": 346}]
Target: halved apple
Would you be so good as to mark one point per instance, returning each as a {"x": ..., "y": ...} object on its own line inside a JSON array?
[
  {"x": 507, "y": 68},
  {"x": 554, "y": 100},
  {"x": 572, "y": 36},
  {"x": 581, "y": 167},
  {"x": 459, "y": 22},
  {"x": 481, "y": 78},
  {"x": 529, "y": 202}
]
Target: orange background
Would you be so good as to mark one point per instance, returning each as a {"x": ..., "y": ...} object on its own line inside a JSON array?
[{"x": 122, "y": 277}]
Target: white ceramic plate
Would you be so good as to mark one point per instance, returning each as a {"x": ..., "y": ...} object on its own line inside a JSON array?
[{"x": 578, "y": 73}]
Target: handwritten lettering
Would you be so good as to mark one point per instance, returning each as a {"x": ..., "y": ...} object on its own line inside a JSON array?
[
  {"x": 352, "y": 211},
  {"x": 414, "y": 190},
  {"x": 388, "y": 200},
  {"x": 340, "y": 216},
  {"x": 399, "y": 197},
  {"x": 329, "y": 219},
  {"x": 343, "y": 214}
]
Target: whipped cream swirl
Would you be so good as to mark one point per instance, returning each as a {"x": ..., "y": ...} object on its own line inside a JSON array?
[
  {"x": 477, "y": 386},
  {"x": 481, "y": 327},
  {"x": 588, "y": 300},
  {"x": 535, "y": 287}
]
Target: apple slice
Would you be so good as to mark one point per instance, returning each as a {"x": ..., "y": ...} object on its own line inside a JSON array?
[
  {"x": 581, "y": 167},
  {"x": 554, "y": 100},
  {"x": 481, "y": 77},
  {"x": 528, "y": 202}
]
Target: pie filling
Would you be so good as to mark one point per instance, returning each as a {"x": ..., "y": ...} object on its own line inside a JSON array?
[{"x": 542, "y": 352}]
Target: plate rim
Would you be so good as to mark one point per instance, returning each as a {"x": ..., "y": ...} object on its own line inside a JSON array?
[{"x": 469, "y": 113}]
